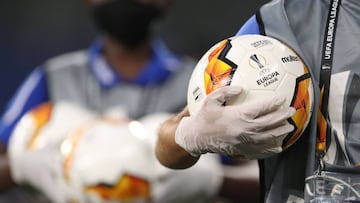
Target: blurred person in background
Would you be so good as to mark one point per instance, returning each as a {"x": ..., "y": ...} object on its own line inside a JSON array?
[{"x": 126, "y": 72}]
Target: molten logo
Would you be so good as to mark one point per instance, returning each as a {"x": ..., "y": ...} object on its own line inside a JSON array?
[{"x": 289, "y": 58}]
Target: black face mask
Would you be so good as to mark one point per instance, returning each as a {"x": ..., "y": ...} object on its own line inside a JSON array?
[{"x": 126, "y": 20}]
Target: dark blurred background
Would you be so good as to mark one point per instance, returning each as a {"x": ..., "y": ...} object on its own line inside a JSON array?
[{"x": 33, "y": 31}]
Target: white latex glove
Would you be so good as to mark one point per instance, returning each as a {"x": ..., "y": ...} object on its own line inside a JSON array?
[{"x": 253, "y": 130}]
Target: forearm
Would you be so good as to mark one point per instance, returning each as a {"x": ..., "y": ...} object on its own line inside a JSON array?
[{"x": 168, "y": 152}]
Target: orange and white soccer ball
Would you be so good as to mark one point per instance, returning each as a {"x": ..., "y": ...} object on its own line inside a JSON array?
[
  {"x": 46, "y": 124},
  {"x": 264, "y": 67},
  {"x": 106, "y": 158},
  {"x": 108, "y": 161}
]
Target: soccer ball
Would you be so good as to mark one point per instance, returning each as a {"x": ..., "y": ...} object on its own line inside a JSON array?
[
  {"x": 46, "y": 124},
  {"x": 109, "y": 160},
  {"x": 264, "y": 67},
  {"x": 113, "y": 160},
  {"x": 104, "y": 158}
]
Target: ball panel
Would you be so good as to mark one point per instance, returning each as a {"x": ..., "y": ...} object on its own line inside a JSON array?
[
  {"x": 286, "y": 88},
  {"x": 196, "y": 91},
  {"x": 302, "y": 102},
  {"x": 40, "y": 116},
  {"x": 27, "y": 133},
  {"x": 255, "y": 42},
  {"x": 127, "y": 189},
  {"x": 218, "y": 72},
  {"x": 249, "y": 96}
]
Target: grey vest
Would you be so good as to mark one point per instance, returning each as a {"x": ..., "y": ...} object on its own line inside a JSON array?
[
  {"x": 69, "y": 79},
  {"x": 301, "y": 24}
]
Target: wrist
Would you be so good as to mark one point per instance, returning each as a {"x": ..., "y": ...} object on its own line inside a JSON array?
[
  {"x": 167, "y": 151},
  {"x": 184, "y": 113},
  {"x": 185, "y": 137}
]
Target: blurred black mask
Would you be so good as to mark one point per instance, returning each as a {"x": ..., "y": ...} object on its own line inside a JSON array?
[{"x": 127, "y": 21}]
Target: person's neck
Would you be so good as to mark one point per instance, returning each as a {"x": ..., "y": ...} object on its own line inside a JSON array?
[{"x": 127, "y": 62}]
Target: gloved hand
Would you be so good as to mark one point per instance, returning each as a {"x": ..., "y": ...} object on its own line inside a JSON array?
[{"x": 253, "y": 130}]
